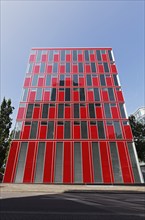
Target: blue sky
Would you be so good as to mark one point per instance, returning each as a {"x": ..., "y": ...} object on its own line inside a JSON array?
[{"x": 116, "y": 24}]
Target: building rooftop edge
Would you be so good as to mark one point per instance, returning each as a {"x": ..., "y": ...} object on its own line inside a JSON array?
[{"x": 46, "y": 48}]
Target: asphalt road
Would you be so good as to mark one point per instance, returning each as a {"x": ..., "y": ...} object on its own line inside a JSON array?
[{"x": 73, "y": 206}]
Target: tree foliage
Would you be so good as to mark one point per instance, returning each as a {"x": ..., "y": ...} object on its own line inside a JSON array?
[
  {"x": 5, "y": 124},
  {"x": 138, "y": 131}
]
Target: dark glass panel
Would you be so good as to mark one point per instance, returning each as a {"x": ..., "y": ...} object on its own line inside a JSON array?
[
  {"x": 29, "y": 111},
  {"x": 67, "y": 67},
  {"x": 33, "y": 130},
  {"x": 93, "y": 67},
  {"x": 77, "y": 163},
  {"x": 102, "y": 80},
  {"x": 50, "y": 55},
  {"x": 74, "y": 55},
  {"x": 39, "y": 94},
  {"x": 67, "y": 129},
  {"x": 117, "y": 130},
  {"x": 86, "y": 55},
  {"x": 98, "y": 55},
  {"x": 42, "y": 68},
  {"x": 115, "y": 80},
  {"x": 53, "y": 94},
  {"x": 38, "y": 58},
  {"x": 80, "y": 67},
  {"x": 62, "y": 55},
  {"x": 84, "y": 132},
  {"x": 110, "y": 55},
  {"x": 107, "y": 110},
  {"x": 45, "y": 111},
  {"x": 122, "y": 110},
  {"x": 96, "y": 163},
  {"x": 82, "y": 94},
  {"x": 96, "y": 94},
  {"x": 89, "y": 80},
  {"x": 35, "y": 80},
  {"x": 58, "y": 163},
  {"x": 50, "y": 130},
  {"x": 60, "y": 110},
  {"x": 101, "y": 129},
  {"x": 75, "y": 80},
  {"x": 55, "y": 67},
  {"x": 25, "y": 95},
  {"x": 91, "y": 111},
  {"x": 61, "y": 82},
  {"x": 111, "y": 94},
  {"x": 106, "y": 68},
  {"x": 67, "y": 94},
  {"x": 48, "y": 80},
  {"x": 76, "y": 111}
]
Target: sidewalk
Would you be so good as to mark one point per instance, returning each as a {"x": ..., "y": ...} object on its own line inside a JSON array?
[{"x": 48, "y": 188}]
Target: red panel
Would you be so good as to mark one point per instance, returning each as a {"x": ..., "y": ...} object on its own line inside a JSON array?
[
  {"x": 62, "y": 68},
  {"x": 100, "y": 68},
  {"x": 42, "y": 134},
  {"x": 40, "y": 81},
  {"x": 68, "y": 81},
  {"x": 120, "y": 96},
  {"x": 68, "y": 57},
  {"x": 76, "y": 95},
  {"x": 74, "y": 68},
  {"x": 54, "y": 81},
  {"x": 114, "y": 112},
  {"x": 80, "y": 57},
  {"x": 46, "y": 96},
  {"x": 113, "y": 69},
  {"x": 11, "y": 163},
  {"x": 36, "y": 69},
  {"x": 27, "y": 82},
  {"x": 99, "y": 112},
  {"x": 60, "y": 131},
  {"x": 48, "y": 163},
  {"x": 56, "y": 58},
  {"x": 26, "y": 132},
  {"x": 90, "y": 95},
  {"x": 105, "y": 162},
  {"x": 109, "y": 81},
  {"x": 60, "y": 96},
  {"x": 67, "y": 166},
  {"x": 81, "y": 81},
  {"x": 111, "y": 133},
  {"x": 124, "y": 163},
  {"x": 44, "y": 58},
  {"x": 128, "y": 132},
  {"x": 105, "y": 96},
  {"x": 77, "y": 133},
  {"x": 94, "y": 132},
  {"x": 32, "y": 58},
  {"x": 67, "y": 112},
  {"x": 52, "y": 112},
  {"x": 92, "y": 57},
  {"x": 49, "y": 69},
  {"x": 83, "y": 112},
  {"x": 95, "y": 81},
  {"x": 104, "y": 57},
  {"x": 86, "y": 163},
  {"x": 20, "y": 113},
  {"x": 36, "y": 112},
  {"x": 29, "y": 163},
  {"x": 32, "y": 96},
  {"x": 88, "y": 68}
]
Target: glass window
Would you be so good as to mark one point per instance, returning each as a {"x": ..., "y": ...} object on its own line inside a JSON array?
[
  {"x": 40, "y": 163},
  {"x": 98, "y": 54},
  {"x": 96, "y": 163},
  {"x": 117, "y": 130},
  {"x": 102, "y": 80},
  {"x": 17, "y": 130},
  {"x": 61, "y": 82},
  {"x": 75, "y": 80},
  {"x": 115, "y": 80},
  {"x": 25, "y": 95},
  {"x": 89, "y": 80},
  {"x": 62, "y": 55},
  {"x": 39, "y": 94},
  {"x": 101, "y": 129},
  {"x": 55, "y": 67},
  {"x": 67, "y": 67},
  {"x": 60, "y": 110},
  {"x": 86, "y": 55},
  {"x": 67, "y": 94},
  {"x": 58, "y": 163},
  {"x": 80, "y": 67},
  {"x": 21, "y": 163},
  {"x": 106, "y": 68},
  {"x": 38, "y": 58},
  {"x": 122, "y": 110},
  {"x": 111, "y": 94},
  {"x": 67, "y": 129},
  {"x": 33, "y": 129},
  {"x": 77, "y": 163},
  {"x": 42, "y": 68},
  {"x": 115, "y": 163},
  {"x": 110, "y": 55},
  {"x": 35, "y": 80},
  {"x": 107, "y": 110},
  {"x": 29, "y": 68},
  {"x": 82, "y": 94},
  {"x": 29, "y": 111},
  {"x": 53, "y": 94},
  {"x": 91, "y": 111},
  {"x": 84, "y": 132},
  {"x": 50, "y": 130},
  {"x": 48, "y": 80},
  {"x": 96, "y": 94},
  {"x": 45, "y": 111},
  {"x": 93, "y": 67},
  {"x": 76, "y": 111},
  {"x": 74, "y": 55},
  {"x": 50, "y": 56}
]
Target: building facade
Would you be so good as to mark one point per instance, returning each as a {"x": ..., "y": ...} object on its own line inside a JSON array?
[{"x": 72, "y": 125}]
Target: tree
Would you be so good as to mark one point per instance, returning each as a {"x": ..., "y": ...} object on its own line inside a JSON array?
[
  {"x": 5, "y": 124},
  {"x": 138, "y": 131}
]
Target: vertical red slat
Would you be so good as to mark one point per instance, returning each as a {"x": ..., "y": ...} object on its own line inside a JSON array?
[
  {"x": 124, "y": 163},
  {"x": 67, "y": 166},
  {"x": 48, "y": 163},
  {"x": 105, "y": 163},
  {"x": 11, "y": 163},
  {"x": 86, "y": 163},
  {"x": 29, "y": 163}
]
